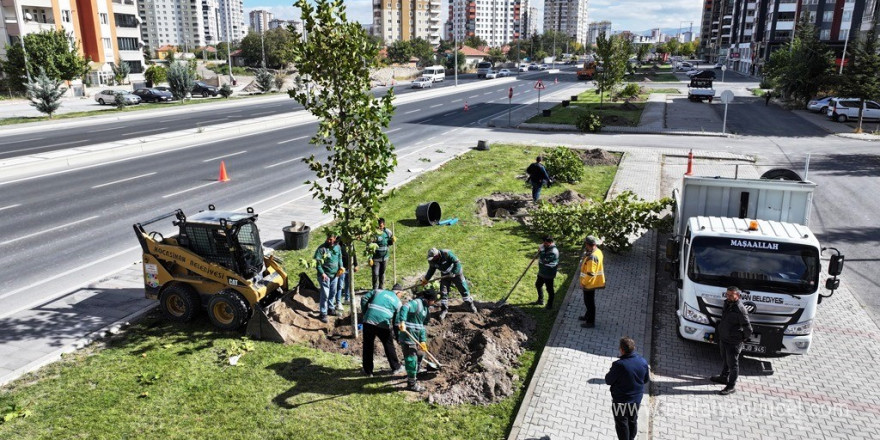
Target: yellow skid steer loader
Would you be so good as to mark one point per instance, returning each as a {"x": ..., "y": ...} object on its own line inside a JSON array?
[{"x": 216, "y": 262}]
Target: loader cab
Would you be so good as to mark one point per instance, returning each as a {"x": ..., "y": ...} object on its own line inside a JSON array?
[{"x": 230, "y": 239}]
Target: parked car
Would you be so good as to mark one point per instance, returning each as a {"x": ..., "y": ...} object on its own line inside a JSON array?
[
  {"x": 523, "y": 68},
  {"x": 109, "y": 97},
  {"x": 692, "y": 72},
  {"x": 847, "y": 109},
  {"x": 203, "y": 89},
  {"x": 718, "y": 65},
  {"x": 820, "y": 105},
  {"x": 543, "y": 67},
  {"x": 685, "y": 66},
  {"x": 153, "y": 95},
  {"x": 504, "y": 72},
  {"x": 423, "y": 82},
  {"x": 707, "y": 74}
]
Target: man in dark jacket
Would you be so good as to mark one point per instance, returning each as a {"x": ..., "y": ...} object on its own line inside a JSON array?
[
  {"x": 548, "y": 262},
  {"x": 733, "y": 329},
  {"x": 538, "y": 176},
  {"x": 627, "y": 377}
]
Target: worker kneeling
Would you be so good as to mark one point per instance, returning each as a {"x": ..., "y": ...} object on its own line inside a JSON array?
[
  {"x": 413, "y": 336},
  {"x": 450, "y": 270},
  {"x": 380, "y": 307}
]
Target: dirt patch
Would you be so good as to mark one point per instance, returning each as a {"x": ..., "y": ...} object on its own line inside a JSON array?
[
  {"x": 567, "y": 197},
  {"x": 597, "y": 156},
  {"x": 503, "y": 205},
  {"x": 478, "y": 351}
]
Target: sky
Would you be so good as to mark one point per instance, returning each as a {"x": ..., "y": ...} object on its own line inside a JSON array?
[{"x": 631, "y": 15}]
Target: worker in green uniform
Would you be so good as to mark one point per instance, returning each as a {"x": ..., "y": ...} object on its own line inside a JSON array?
[
  {"x": 380, "y": 307},
  {"x": 412, "y": 318},
  {"x": 328, "y": 262},
  {"x": 450, "y": 270},
  {"x": 383, "y": 238}
]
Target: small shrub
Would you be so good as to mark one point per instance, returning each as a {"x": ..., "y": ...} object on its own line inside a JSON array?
[
  {"x": 631, "y": 90},
  {"x": 765, "y": 84},
  {"x": 225, "y": 91},
  {"x": 279, "y": 80},
  {"x": 564, "y": 165},
  {"x": 156, "y": 74},
  {"x": 119, "y": 100},
  {"x": 589, "y": 123},
  {"x": 264, "y": 80}
]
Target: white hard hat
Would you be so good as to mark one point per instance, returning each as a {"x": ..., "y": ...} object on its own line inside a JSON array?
[{"x": 432, "y": 253}]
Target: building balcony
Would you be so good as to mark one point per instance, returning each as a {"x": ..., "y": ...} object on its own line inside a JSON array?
[
  {"x": 787, "y": 7},
  {"x": 784, "y": 25}
]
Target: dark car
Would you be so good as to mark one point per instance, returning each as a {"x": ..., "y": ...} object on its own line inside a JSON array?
[
  {"x": 153, "y": 95},
  {"x": 706, "y": 74},
  {"x": 204, "y": 89}
]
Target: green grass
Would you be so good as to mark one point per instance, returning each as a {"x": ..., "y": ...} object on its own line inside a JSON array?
[
  {"x": 758, "y": 92},
  {"x": 589, "y": 102},
  {"x": 161, "y": 381}
]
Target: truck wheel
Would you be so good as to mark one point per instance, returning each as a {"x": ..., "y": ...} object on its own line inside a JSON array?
[
  {"x": 781, "y": 174},
  {"x": 179, "y": 302},
  {"x": 228, "y": 310}
]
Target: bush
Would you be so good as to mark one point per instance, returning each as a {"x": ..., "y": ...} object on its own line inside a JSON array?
[
  {"x": 223, "y": 69},
  {"x": 765, "y": 83},
  {"x": 589, "y": 123},
  {"x": 264, "y": 80},
  {"x": 119, "y": 100},
  {"x": 156, "y": 74},
  {"x": 614, "y": 220},
  {"x": 279, "y": 80},
  {"x": 631, "y": 90},
  {"x": 180, "y": 80},
  {"x": 225, "y": 91},
  {"x": 564, "y": 165}
]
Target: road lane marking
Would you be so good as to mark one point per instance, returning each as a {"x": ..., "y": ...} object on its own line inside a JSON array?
[
  {"x": 261, "y": 113},
  {"x": 224, "y": 156},
  {"x": 473, "y": 96},
  {"x": 144, "y": 131},
  {"x": 43, "y": 147},
  {"x": 23, "y": 237},
  {"x": 392, "y": 131},
  {"x": 457, "y": 100},
  {"x": 292, "y": 140},
  {"x": 487, "y": 93},
  {"x": 10, "y": 206},
  {"x": 122, "y": 180},
  {"x": 168, "y": 120},
  {"x": 412, "y": 111},
  {"x": 106, "y": 129},
  {"x": 437, "y": 105},
  {"x": 188, "y": 190},
  {"x": 450, "y": 113},
  {"x": 283, "y": 162},
  {"x": 25, "y": 140}
]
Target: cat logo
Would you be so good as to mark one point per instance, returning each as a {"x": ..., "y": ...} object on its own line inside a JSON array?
[{"x": 232, "y": 281}]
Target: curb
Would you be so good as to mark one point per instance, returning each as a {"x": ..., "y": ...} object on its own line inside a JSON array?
[{"x": 567, "y": 128}]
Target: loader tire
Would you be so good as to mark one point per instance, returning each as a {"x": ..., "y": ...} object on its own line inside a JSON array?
[
  {"x": 228, "y": 310},
  {"x": 179, "y": 303}
]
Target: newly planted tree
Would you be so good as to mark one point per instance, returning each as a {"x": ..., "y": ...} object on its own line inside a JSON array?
[
  {"x": 264, "y": 80},
  {"x": 861, "y": 77},
  {"x": 612, "y": 52},
  {"x": 45, "y": 93},
  {"x": 180, "y": 80},
  {"x": 351, "y": 180}
]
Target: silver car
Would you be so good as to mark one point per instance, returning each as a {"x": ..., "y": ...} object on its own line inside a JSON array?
[
  {"x": 109, "y": 97},
  {"x": 422, "y": 82}
]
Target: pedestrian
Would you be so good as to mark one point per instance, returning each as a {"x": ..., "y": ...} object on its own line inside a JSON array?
[
  {"x": 767, "y": 95},
  {"x": 592, "y": 278},
  {"x": 538, "y": 177},
  {"x": 343, "y": 294},
  {"x": 548, "y": 261},
  {"x": 380, "y": 308},
  {"x": 627, "y": 377},
  {"x": 450, "y": 271},
  {"x": 412, "y": 319},
  {"x": 328, "y": 259},
  {"x": 383, "y": 238},
  {"x": 733, "y": 329}
]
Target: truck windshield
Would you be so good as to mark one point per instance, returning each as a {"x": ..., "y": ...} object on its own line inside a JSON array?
[{"x": 754, "y": 264}]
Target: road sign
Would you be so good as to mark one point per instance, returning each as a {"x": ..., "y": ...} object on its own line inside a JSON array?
[
  {"x": 539, "y": 85},
  {"x": 727, "y": 96},
  {"x": 510, "y": 93}
]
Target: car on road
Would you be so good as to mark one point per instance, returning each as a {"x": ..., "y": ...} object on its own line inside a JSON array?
[
  {"x": 685, "y": 66},
  {"x": 153, "y": 95},
  {"x": 705, "y": 74},
  {"x": 423, "y": 82},
  {"x": 523, "y": 68},
  {"x": 819, "y": 105},
  {"x": 692, "y": 72},
  {"x": 109, "y": 97},
  {"x": 717, "y": 66},
  {"x": 497, "y": 73},
  {"x": 847, "y": 109},
  {"x": 533, "y": 67},
  {"x": 543, "y": 67},
  {"x": 203, "y": 89}
]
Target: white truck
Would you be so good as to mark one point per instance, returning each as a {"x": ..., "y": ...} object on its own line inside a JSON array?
[
  {"x": 752, "y": 234},
  {"x": 700, "y": 89}
]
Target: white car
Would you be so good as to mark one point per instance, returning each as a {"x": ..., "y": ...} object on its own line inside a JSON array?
[
  {"x": 492, "y": 74},
  {"x": 847, "y": 109},
  {"x": 523, "y": 68},
  {"x": 692, "y": 72},
  {"x": 109, "y": 97},
  {"x": 423, "y": 82},
  {"x": 504, "y": 72}
]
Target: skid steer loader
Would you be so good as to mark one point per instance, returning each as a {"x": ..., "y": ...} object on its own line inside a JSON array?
[{"x": 215, "y": 262}]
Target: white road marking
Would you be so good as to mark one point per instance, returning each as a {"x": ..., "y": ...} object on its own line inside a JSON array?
[
  {"x": 392, "y": 131},
  {"x": 10, "y": 207},
  {"x": 144, "y": 131},
  {"x": 23, "y": 237},
  {"x": 473, "y": 96},
  {"x": 437, "y": 105},
  {"x": 292, "y": 140},
  {"x": 122, "y": 180},
  {"x": 43, "y": 147},
  {"x": 25, "y": 140},
  {"x": 457, "y": 100},
  {"x": 188, "y": 190},
  {"x": 412, "y": 111},
  {"x": 106, "y": 129},
  {"x": 450, "y": 113},
  {"x": 224, "y": 156},
  {"x": 284, "y": 162},
  {"x": 487, "y": 93},
  {"x": 168, "y": 120}
]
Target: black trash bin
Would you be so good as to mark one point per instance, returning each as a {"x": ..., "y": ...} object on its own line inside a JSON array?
[
  {"x": 565, "y": 103},
  {"x": 296, "y": 238},
  {"x": 546, "y": 112},
  {"x": 428, "y": 214}
]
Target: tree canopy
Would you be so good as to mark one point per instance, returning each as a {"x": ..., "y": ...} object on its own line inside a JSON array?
[
  {"x": 861, "y": 77},
  {"x": 278, "y": 45},
  {"x": 802, "y": 67},
  {"x": 51, "y": 50},
  {"x": 401, "y": 51},
  {"x": 612, "y": 53}
]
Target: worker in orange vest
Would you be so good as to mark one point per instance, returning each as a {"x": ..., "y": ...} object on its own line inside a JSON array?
[{"x": 592, "y": 278}]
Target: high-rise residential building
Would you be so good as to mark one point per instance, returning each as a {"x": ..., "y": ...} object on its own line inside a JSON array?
[
  {"x": 395, "y": 20},
  {"x": 106, "y": 32},
  {"x": 231, "y": 19},
  {"x": 597, "y": 28},
  {"x": 259, "y": 20},
  {"x": 176, "y": 23},
  {"x": 498, "y": 22},
  {"x": 530, "y": 20},
  {"x": 567, "y": 16},
  {"x": 280, "y": 23}
]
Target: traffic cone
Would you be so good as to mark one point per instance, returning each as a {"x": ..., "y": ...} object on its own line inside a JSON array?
[
  {"x": 690, "y": 170},
  {"x": 223, "y": 176},
  {"x": 466, "y": 108}
]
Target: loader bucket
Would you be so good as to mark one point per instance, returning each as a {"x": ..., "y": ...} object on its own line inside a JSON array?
[{"x": 260, "y": 327}]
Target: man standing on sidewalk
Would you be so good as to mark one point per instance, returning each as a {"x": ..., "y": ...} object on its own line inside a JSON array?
[
  {"x": 537, "y": 177},
  {"x": 548, "y": 261},
  {"x": 592, "y": 278},
  {"x": 627, "y": 377},
  {"x": 733, "y": 329}
]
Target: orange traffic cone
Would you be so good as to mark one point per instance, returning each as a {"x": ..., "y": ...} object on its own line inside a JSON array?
[
  {"x": 466, "y": 108},
  {"x": 223, "y": 176},
  {"x": 690, "y": 170}
]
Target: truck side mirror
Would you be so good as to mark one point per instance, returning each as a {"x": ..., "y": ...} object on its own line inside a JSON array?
[
  {"x": 832, "y": 283},
  {"x": 672, "y": 249},
  {"x": 835, "y": 266}
]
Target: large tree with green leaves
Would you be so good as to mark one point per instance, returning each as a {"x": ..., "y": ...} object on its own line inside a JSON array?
[
  {"x": 50, "y": 50},
  {"x": 475, "y": 41},
  {"x": 802, "y": 67},
  {"x": 612, "y": 54},
  {"x": 861, "y": 77},
  {"x": 45, "y": 93},
  {"x": 451, "y": 62},
  {"x": 351, "y": 180},
  {"x": 278, "y": 44},
  {"x": 642, "y": 51},
  {"x": 402, "y": 51}
]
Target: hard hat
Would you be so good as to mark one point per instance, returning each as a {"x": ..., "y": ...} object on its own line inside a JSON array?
[{"x": 433, "y": 253}]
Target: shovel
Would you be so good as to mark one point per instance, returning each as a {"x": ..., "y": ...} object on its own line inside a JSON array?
[
  {"x": 504, "y": 300},
  {"x": 432, "y": 362},
  {"x": 394, "y": 259}
]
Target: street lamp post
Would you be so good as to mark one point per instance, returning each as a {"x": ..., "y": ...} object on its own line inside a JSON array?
[
  {"x": 263, "y": 46},
  {"x": 27, "y": 18}
]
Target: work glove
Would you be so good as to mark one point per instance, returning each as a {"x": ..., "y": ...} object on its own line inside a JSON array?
[
  {"x": 401, "y": 326},
  {"x": 423, "y": 346},
  {"x": 423, "y": 281},
  {"x": 371, "y": 262},
  {"x": 340, "y": 271},
  {"x": 393, "y": 240}
]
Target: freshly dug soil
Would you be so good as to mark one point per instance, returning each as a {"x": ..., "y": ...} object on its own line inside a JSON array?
[
  {"x": 597, "y": 156},
  {"x": 478, "y": 351}
]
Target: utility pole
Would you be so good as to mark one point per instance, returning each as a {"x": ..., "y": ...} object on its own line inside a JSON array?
[
  {"x": 455, "y": 45},
  {"x": 229, "y": 43},
  {"x": 263, "y": 46},
  {"x": 27, "y": 18}
]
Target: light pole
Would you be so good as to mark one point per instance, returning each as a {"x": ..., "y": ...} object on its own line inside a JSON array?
[
  {"x": 27, "y": 18},
  {"x": 263, "y": 45},
  {"x": 455, "y": 48},
  {"x": 229, "y": 43}
]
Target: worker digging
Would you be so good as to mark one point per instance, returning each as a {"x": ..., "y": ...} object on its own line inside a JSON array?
[
  {"x": 413, "y": 335},
  {"x": 451, "y": 272}
]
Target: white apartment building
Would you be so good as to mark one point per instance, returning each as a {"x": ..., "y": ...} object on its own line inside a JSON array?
[
  {"x": 280, "y": 23},
  {"x": 231, "y": 13},
  {"x": 530, "y": 20},
  {"x": 189, "y": 24},
  {"x": 260, "y": 19},
  {"x": 395, "y": 20},
  {"x": 597, "y": 28},
  {"x": 567, "y": 16},
  {"x": 498, "y": 22}
]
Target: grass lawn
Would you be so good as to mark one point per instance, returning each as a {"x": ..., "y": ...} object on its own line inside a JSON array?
[
  {"x": 612, "y": 113},
  {"x": 160, "y": 381},
  {"x": 758, "y": 92}
]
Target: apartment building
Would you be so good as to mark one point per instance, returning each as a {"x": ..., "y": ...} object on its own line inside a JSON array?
[
  {"x": 597, "y": 28},
  {"x": 498, "y": 22},
  {"x": 106, "y": 31},
  {"x": 188, "y": 24},
  {"x": 531, "y": 17},
  {"x": 567, "y": 16},
  {"x": 260, "y": 19},
  {"x": 395, "y": 20},
  {"x": 279, "y": 23}
]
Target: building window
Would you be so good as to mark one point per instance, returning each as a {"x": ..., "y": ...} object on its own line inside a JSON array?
[
  {"x": 103, "y": 17},
  {"x": 125, "y": 20},
  {"x": 65, "y": 15},
  {"x": 107, "y": 44},
  {"x": 127, "y": 43}
]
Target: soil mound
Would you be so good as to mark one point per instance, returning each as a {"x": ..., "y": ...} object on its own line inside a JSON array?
[
  {"x": 567, "y": 197},
  {"x": 504, "y": 205},
  {"x": 478, "y": 351},
  {"x": 597, "y": 156}
]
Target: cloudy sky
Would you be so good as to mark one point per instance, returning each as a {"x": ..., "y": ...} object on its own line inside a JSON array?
[{"x": 632, "y": 15}]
